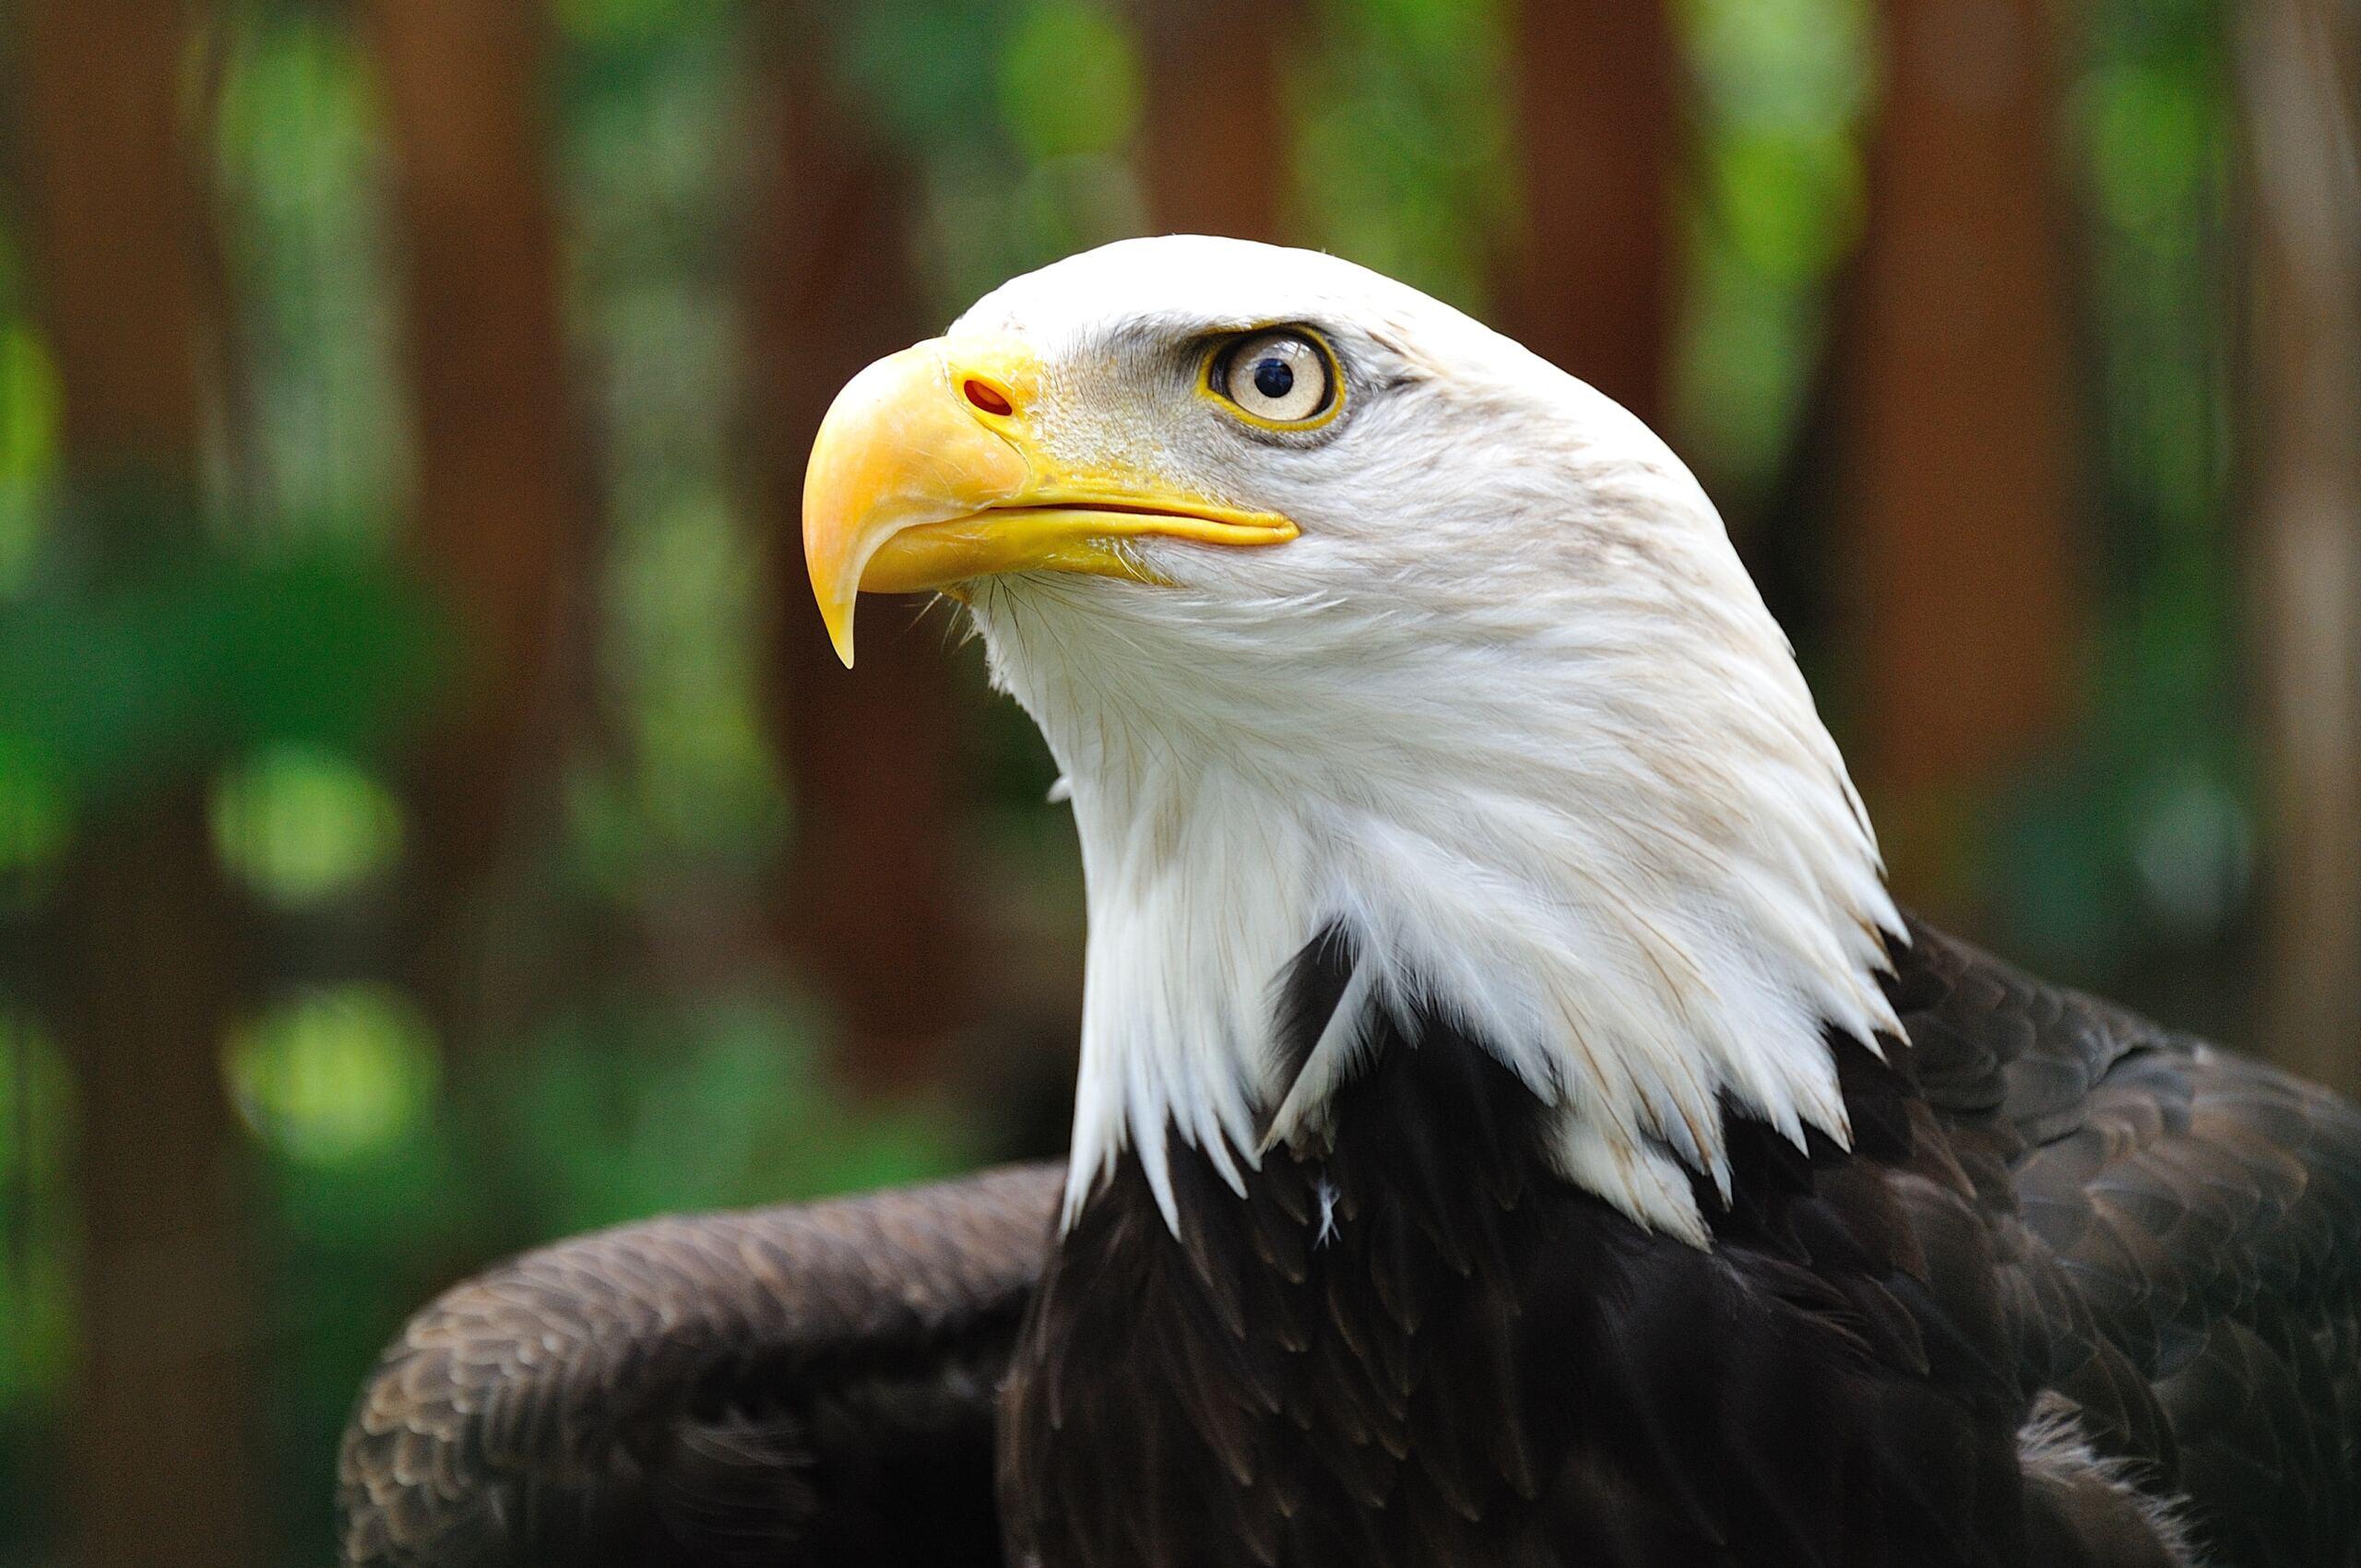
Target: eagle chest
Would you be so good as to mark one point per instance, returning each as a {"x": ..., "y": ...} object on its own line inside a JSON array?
[{"x": 1422, "y": 1349}]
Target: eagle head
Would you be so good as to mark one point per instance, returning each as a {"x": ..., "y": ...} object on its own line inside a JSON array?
[{"x": 1345, "y": 613}]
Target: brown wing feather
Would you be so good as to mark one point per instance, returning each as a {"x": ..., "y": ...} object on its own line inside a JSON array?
[
  {"x": 2181, "y": 1236},
  {"x": 785, "y": 1386}
]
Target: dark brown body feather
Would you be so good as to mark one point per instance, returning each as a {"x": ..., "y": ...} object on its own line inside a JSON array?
[{"x": 2077, "y": 1276}]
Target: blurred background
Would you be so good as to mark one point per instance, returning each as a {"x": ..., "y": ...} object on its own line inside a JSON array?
[{"x": 430, "y": 819}]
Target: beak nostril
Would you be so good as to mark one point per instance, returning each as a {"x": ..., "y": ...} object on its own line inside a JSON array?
[{"x": 985, "y": 397}]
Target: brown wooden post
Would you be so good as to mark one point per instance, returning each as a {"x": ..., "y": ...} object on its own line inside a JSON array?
[
  {"x": 1588, "y": 281},
  {"x": 1959, "y": 428},
  {"x": 869, "y": 901},
  {"x": 2300, "y": 81},
  {"x": 160, "y": 1441},
  {"x": 501, "y": 496},
  {"x": 1216, "y": 140}
]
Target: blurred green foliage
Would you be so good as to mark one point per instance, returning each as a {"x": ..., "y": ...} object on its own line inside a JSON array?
[
  {"x": 298, "y": 163},
  {"x": 28, "y": 439},
  {"x": 1776, "y": 208},
  {"x": 285, "y": 661},
  {"x": 2138, "y": 839},
  {"x": 1069, "y": 82},
  {"x": 157, "y": 675},
  {"x": 1403, "y": 159}
]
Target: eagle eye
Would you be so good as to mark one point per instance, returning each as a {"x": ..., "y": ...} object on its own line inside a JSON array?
[{"x": 1275, "y": 379}]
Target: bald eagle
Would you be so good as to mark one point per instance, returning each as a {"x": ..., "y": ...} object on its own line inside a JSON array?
[{"x": 1514, "y": 1126}]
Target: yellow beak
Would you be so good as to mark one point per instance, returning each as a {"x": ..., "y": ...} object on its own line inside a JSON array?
[{"x": 926, "y": 473}]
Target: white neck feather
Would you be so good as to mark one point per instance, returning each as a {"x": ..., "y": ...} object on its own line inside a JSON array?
[{"x": 1583, "y": 806}]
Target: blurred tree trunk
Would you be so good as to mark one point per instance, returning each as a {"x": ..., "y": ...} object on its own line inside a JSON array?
[
  {"x": 501, "y": 495},
  {"x": 1217, "y": 138},
  {"x": 1589, "y": 281},
  {"x": 160, "y": 1446},
  {"x": 1960, "y": 426},
  {"x": 872, "y": 750},
  {"x": 2301, "y": 74}
]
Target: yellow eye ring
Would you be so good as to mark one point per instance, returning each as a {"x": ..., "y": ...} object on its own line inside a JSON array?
[{"x": 1259, "y": 377}]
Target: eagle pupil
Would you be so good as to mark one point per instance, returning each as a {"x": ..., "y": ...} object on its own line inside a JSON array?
[{"x": 1273, "y": 379}]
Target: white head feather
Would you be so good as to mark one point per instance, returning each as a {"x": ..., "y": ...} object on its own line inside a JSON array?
[{"x": 1510, "y": 711}]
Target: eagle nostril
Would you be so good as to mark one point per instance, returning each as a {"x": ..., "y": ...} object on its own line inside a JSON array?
[{"x": 985, "y": 397}]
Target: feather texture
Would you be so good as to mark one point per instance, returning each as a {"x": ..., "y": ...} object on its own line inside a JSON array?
[
  {"x": 2082, "y": 1294},
  {"x": 780, "y": 1387}
]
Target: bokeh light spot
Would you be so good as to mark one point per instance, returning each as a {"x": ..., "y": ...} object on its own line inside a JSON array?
[
  {"x": 299, "y": 824},
  {"x": 331, "y": 1074}
]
